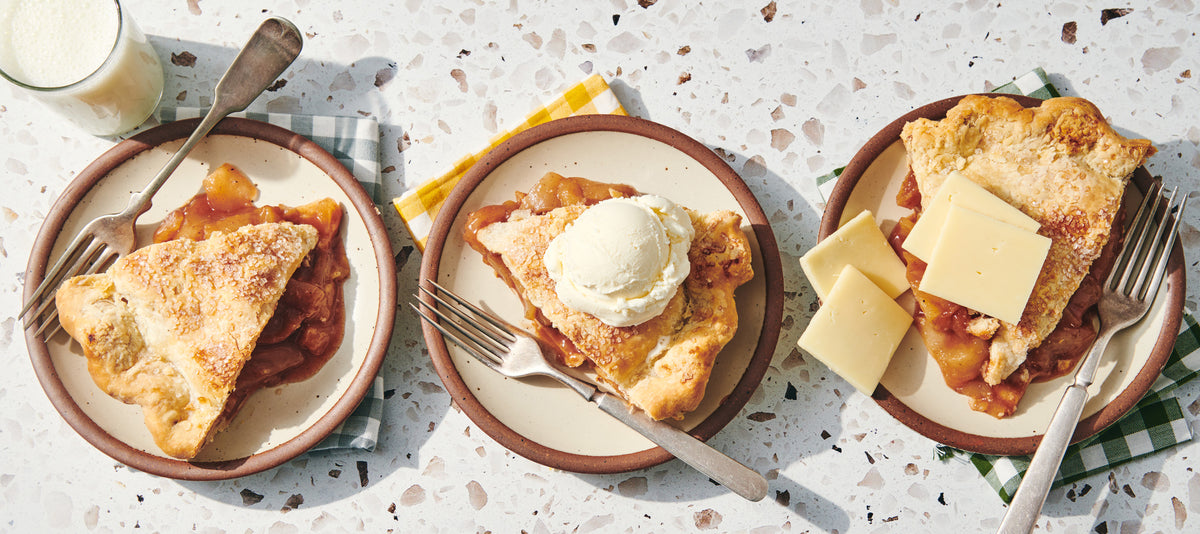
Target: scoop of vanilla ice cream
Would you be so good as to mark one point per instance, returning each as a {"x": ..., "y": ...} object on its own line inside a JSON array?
[{"x": 623, "y": 259}]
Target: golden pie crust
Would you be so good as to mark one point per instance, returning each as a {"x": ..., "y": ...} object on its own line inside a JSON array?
[
  {"x": 1060, "y": 163},
  {"x": 170, "y": 326},
  {"x": 662, "y": 365}
]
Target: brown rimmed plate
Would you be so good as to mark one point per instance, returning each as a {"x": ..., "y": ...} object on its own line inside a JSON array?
[
  {"x": 913, "y": 390},
  {"x": 538, "y": 418},
  {"x": 276, "y": 424}
]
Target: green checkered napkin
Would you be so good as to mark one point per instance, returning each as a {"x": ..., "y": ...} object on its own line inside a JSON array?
[
  {"x": 361, "y": 429},
  {"x": 354, "y": 141},
  {"x": 1154, "y": 424}
]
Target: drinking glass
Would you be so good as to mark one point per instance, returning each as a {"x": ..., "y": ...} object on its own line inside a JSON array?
[{"x": 86, "y": 60}]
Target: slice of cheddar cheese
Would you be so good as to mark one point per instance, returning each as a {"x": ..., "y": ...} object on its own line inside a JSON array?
[
  {"x": 856, "y": 331},
  {"x": 985, "y": 264},
  {"x": 961, "y": 191},
  {"x": 862, "y": 244}
]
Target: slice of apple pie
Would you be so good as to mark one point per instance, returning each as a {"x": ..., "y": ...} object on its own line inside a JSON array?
[
  {"x": 657, "y": 355},
  {"x": 171, "y": 325},
  {"x": 1059, "y": 163}
]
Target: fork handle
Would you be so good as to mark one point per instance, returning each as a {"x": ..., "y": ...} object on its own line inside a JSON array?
[
  {"x": 141, "y": 201},
  {"x": 725, "y": 470},
  {"x": 270, "y": 50},
  {"x": 1026, "y": 505}
]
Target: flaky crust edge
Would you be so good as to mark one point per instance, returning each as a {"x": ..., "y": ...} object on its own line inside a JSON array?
[{"x": 181, "y": 395}]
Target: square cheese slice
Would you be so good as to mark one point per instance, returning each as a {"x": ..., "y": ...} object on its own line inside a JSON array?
[
  {"x": 856, "y": 331},
  {"x": 985, "y": 264},
  {"x": 961, "y": 191},
  {"x": 860, "y": 243}
]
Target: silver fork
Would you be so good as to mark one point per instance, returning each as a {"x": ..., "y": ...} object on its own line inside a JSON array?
[
  {"x": 273, "y": 46},
  {"x": 512, "y": 353},
  {"x": 1126, "y": 297}
]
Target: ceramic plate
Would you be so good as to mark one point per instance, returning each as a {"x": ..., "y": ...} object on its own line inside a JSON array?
[
  {"x": 913, "y": 390},
  {"x": 540, "y": 419},
  {"x": 276, "y": 424}
]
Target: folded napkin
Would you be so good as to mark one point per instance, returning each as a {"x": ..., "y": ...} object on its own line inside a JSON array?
[
  {"x": 354, "y": 141},
  {"x": 419, "y": 206},
  {"x": 1154, "y": 424}
]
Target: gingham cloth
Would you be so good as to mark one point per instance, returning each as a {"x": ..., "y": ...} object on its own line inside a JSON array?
[
  {"x": 1154, "y": 424},
  {"x": 419, "y": 206},
  {"x": 354, "y": 141}
]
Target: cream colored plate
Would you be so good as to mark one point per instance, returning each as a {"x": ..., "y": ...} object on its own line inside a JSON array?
[
  {"x": 542, "y": 410},
  {"x": 271, "y": 416}
]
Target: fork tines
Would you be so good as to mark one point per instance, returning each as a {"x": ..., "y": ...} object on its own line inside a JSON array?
[
  {"x": 1148, "y": 245},
  {"x": 467, "y": 326},
  {"x": 85, "y": 255}
]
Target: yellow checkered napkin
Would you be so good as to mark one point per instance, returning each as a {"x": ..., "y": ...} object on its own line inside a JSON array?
[{"x": 418, "y": 207}]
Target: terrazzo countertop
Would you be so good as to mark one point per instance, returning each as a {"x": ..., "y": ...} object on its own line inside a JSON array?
[{"x": 784, "y": 90}]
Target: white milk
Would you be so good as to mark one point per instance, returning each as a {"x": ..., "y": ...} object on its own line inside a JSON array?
[{"x": 86, "y": 59}]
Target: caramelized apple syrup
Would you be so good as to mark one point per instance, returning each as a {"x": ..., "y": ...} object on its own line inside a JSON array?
[
  {"x": 962, "y": 356},
  {"x": 551, "y": 192},
  {"x": 309, "y": 322}
]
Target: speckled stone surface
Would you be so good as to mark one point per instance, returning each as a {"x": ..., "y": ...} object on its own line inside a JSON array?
[{"x": 784, "y": 90}]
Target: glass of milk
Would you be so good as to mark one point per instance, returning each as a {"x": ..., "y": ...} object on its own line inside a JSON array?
[{"x": 84, "y": 59}]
